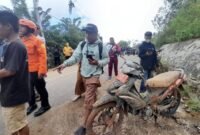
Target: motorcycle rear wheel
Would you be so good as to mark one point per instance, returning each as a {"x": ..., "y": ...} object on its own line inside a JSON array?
[
  {"x": 105, "y": 120},
  {"x": 175, "y": 97}
]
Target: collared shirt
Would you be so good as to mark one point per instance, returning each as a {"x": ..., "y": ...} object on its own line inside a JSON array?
[
  {"x": 88, "y": 70},
  {"x": 37, "y": 55}
]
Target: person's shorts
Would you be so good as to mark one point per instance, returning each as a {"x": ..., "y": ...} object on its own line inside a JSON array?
[
  {"x": 91, "y": 85},
  {"x": 15, "y": 118}
]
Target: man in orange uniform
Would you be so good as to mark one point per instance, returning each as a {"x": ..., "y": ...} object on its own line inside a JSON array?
[{"x": 37, "y": 61}]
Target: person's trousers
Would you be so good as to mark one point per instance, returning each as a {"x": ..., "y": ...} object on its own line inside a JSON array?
[
  {"x": 80, "y": 87},
  {"x": 147, "y": 75},
  {"x": 91, "y": 85},
  {"x": 113, "y": 63},
  {"x": 57, "y": 61},
  {"x": 40, "y": 86}
]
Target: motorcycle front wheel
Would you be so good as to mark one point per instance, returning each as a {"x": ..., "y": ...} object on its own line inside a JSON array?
[{"x": 105, "y": 120}]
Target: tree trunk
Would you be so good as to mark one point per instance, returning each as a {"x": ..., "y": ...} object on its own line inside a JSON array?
[{"x": 39, "y": 22}]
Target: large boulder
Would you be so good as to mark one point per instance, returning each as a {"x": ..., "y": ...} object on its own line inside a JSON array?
[{"x": 184, "y": 55}]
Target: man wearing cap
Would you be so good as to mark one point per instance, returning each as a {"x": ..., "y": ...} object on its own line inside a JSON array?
[
  {"x": 148, "y": 56},
  {"x": 88, "y": 54}
]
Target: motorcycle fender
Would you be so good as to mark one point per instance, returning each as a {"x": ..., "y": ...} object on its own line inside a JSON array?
[{"x": 104, "y": 100}]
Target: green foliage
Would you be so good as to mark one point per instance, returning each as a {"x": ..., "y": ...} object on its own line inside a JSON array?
[
  {"x": 166, "y": 13},
  {"x": 124, "y": 44},
  {"x": 182, "y": 26},
  {"x": 186, "y": 91},
  {"x": 44, "y": 15},
  {"x": 20, "y": 8},
  {"x": 194, "y": 104},
  {"x": 73, "y": 36},
  {"x": 57, "y": 35},
  {"x": 56, "y": 39},
  {"x": 193, "y": 101},
  {"x": 67, "y": 23}
]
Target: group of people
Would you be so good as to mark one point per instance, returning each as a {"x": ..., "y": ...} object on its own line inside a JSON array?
[
  {"x": 67, "y": 52},
  {"x": 23, "y": 66},
  {"x": 93, "y": 56}
]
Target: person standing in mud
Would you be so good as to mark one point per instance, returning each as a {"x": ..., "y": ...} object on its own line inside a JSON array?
[
  {"x": 114, "y": 52},
  {"x": 93, "y": 57},
  {"x": 79, "y": 87},
  {"x": 148, "y": 56}
]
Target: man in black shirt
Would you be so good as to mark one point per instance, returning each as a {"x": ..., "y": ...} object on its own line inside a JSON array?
[
  {"x": 14, "y": 76},
  {"x": 148, "y": 56}
]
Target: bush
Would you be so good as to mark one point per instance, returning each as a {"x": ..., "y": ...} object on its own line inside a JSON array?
[
  {"x": 184, "y": 26},
  {"x": 194, "y": 104},
  {"x": 193, "y": 101},
  {"x": 55, "y": 39}
]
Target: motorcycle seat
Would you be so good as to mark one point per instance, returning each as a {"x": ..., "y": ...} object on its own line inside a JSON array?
[{"x": 163, "y": 80}]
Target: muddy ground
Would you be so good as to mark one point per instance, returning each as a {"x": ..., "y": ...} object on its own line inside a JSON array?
[
  {"x": 65, "y": 116},
  {"x": 64, "y": 120}
]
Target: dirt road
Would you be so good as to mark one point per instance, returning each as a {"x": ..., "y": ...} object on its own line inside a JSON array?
[{"x": 60, "y": 88}]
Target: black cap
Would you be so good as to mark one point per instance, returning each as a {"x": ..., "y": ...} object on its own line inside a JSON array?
[
  {"x": 90, "y": 28},
  {"x": 148, "y": 34}
]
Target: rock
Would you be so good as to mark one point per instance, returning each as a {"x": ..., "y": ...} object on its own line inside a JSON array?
[
  {"x": 198, "y": 87},
  {"x": 184, "y": 98},
  {"x": 184, "y": 55},
  {"x": 185, "y": 106},
  {"x": 182, "y": 101},
  {"x": 188, "y": 110}
]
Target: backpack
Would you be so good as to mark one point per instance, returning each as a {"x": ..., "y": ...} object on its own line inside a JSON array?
[{"x": 100, "y": 45}]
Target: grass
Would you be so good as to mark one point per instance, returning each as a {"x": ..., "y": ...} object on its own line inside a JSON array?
[
  {"x": 194, "y": 104},
  {"x": 185, "y": 92},
  {"x": 194, "y": 101}
]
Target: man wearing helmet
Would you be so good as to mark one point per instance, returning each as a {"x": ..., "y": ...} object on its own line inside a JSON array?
[
  {"x": 37, "y": 61},
  {"x": 148, "y": 56}
]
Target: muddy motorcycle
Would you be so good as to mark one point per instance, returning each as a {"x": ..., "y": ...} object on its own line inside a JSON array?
[{"x": 123, "y": 98}]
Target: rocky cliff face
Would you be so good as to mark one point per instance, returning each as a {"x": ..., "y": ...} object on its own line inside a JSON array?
[{"x": 184, "y": 55}]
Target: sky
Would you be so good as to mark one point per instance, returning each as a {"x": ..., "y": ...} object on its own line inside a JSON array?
[{"x": 121, "y": 19}]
